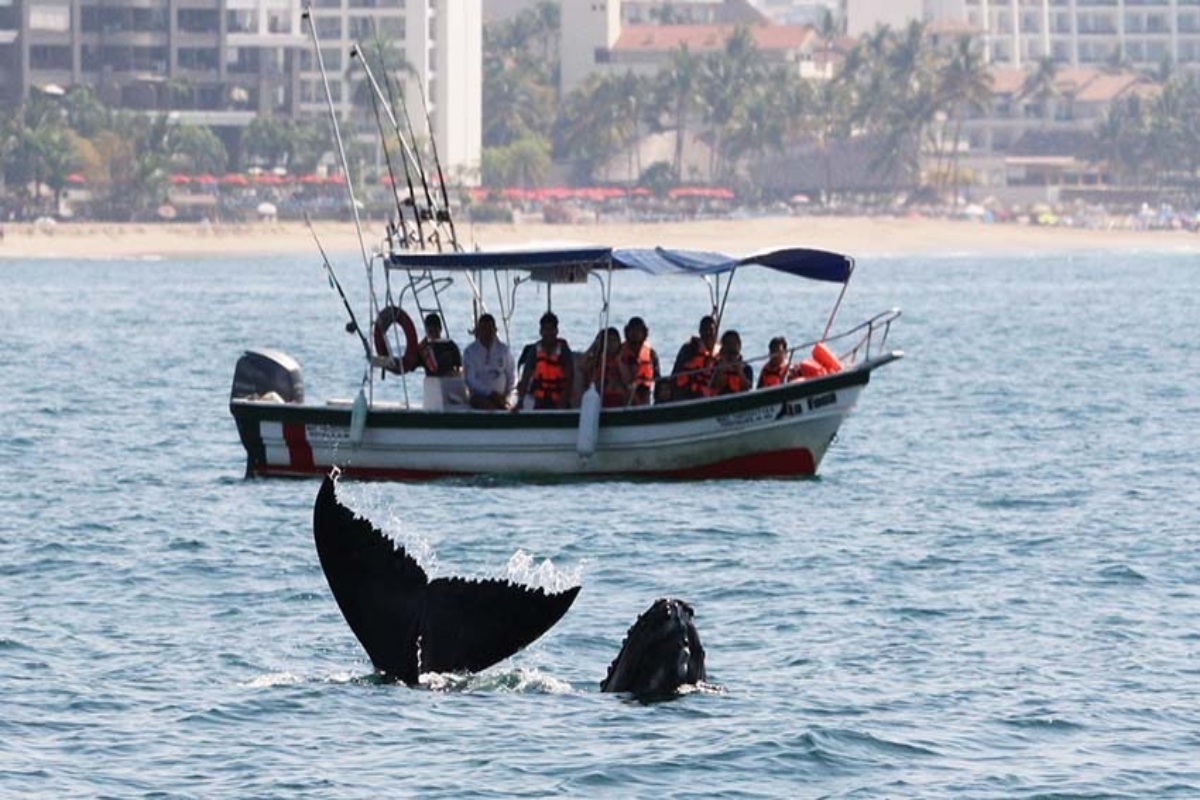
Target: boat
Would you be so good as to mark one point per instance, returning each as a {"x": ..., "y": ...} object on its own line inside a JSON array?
[{"x": 783, "y": 430}]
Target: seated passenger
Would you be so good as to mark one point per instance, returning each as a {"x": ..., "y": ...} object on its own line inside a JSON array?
[
  {"x": 692, "y": 375},
  {"x": 548, "y": 371},
  {"x": 602, "y": 365},
  {"x": 488, "y": 368},
  {"x": 441, "y": 357},
  {"x": 731, "y": 375},
  {"x": 775, "y": 371},
  {"x": 639, "y": 363}
]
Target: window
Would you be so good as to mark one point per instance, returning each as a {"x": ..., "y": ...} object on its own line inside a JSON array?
[
  {"x": 50, "y": 56},
  {"x": 54, "y": 17},
  {"x": 195, "y": 20}
]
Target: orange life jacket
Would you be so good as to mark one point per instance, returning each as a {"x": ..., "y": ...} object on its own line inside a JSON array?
[
  {"x": 772, "y": 375},
  {"x": 549, "y": 382},
  {"x": 695, "y": 375},
  {"x": 734, "y": 380},
  {"x": 640, "y": 364}
]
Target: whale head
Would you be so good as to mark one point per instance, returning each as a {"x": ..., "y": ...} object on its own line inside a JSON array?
[{"x": 661, "y": 652}]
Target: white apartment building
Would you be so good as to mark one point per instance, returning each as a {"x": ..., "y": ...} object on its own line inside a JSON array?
[
  {"x": 442, "y": 42},
  {"x": 1079, "y": 33}
]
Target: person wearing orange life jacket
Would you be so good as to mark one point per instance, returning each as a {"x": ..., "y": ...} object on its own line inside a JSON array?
[
  {"x": 602, "y": 366},
  {"x": 692, "y": 375},
  {"x": 731, "y": 375},
  {"x": 639, "y": 363},
  {"x": 775, "y": 371},
  {"x": 547, "y": 369}
]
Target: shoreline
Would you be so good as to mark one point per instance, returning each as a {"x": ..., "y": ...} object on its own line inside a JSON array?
[{"x": 856, "y": 236}]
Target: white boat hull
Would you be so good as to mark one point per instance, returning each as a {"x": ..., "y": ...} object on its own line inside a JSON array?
[{"x": 783, "y": 431}]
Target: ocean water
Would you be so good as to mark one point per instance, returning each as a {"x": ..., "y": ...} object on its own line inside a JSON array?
[{"x": 990, "y": 591}]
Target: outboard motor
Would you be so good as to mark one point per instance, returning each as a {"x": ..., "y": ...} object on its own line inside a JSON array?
[{"x": 260, "y": 373}]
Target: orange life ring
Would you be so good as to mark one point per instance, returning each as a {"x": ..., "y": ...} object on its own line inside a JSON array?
[{"x": 388, "y": 316}]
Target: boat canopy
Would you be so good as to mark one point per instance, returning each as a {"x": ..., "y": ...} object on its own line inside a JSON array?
[{"x": 570, "y": 264}]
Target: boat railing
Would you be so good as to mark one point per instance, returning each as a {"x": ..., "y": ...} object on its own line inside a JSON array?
[{"x": 869, "y": 337}]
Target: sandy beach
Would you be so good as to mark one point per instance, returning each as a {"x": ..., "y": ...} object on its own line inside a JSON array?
[{"x": 858, "y": 236}]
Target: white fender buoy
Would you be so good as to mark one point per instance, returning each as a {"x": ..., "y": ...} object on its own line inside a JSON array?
[
  {"x": 358, "y": 418},
  {"x": 589, "y": 422}
]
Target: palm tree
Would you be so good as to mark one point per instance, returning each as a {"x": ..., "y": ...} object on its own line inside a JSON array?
[
  {"x": 590, "y": 128},
  {"x": 1041, "y": 84},
  {"x": 677, "y": 94},
  {"x": 1121, "y": 138},
  {"x": 729, "y": 78},
  {"x": 965, "y": 85}
]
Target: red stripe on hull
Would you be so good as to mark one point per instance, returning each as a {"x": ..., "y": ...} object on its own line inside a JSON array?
[
  {"x": 794, "y": 463},
  {"x": 299, "y": 450},
  {"x": 797, "y": 462}
]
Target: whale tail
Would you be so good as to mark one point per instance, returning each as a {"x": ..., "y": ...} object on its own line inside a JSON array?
[
  {"x": 410, "y": 625},
  {"x": 661, "y": 652}
]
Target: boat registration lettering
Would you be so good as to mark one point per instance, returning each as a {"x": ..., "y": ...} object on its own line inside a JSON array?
[
  {"x": 328, "y": 433},
  {"x": 822, "y": 400},
  {"x": 752, "y": 417}
]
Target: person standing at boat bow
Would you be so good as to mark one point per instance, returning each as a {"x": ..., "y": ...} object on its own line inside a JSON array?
[
  {"x": 488, "y": 368},
  {"x": 548, "y": 372}
]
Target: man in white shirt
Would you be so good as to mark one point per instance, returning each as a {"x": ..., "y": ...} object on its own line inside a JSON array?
[{"x": 488, "y": 368}]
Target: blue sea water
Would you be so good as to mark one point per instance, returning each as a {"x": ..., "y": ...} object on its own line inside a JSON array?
[{"x": 990, "y": 591}]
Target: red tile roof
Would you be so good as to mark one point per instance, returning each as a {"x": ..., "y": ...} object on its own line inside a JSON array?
[{"x": 700, "y": 38}]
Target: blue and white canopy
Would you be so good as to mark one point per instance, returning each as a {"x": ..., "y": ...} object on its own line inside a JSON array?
[{"x": 568, "y": 264}]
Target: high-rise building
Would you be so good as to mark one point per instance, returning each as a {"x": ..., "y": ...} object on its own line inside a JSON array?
[
  {"x": 215, "y": 62},
  {"x": 224, "y": 62},
  {"x": 1079, "y": 33},
  {"x": 440, "y": 45}
]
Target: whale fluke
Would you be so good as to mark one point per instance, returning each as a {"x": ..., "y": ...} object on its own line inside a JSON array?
[
  {"x": 410, "y": 625},
  {"x": 661, "y": 652}
]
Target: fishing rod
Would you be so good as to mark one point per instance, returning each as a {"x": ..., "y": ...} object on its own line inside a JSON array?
[
  {"x": 407, "y": 150},
  {"x": 437, "y": 163},
  {"x": 387, "y": 81},
  {"x": 306, "y": 16},
  {"x": 387, "y": 155},
  {"x": 434, "y": 214},
  {"x": 353, "y": 324}
]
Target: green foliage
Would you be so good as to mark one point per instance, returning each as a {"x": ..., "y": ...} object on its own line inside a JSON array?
[
  {"x": 295, "y": 144},
  {"x": 659, "y": 178},
  {"x": 194, "y": 148},
  {"x": 525, "y": 162},
  {"x": 520, "y": 75}
]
